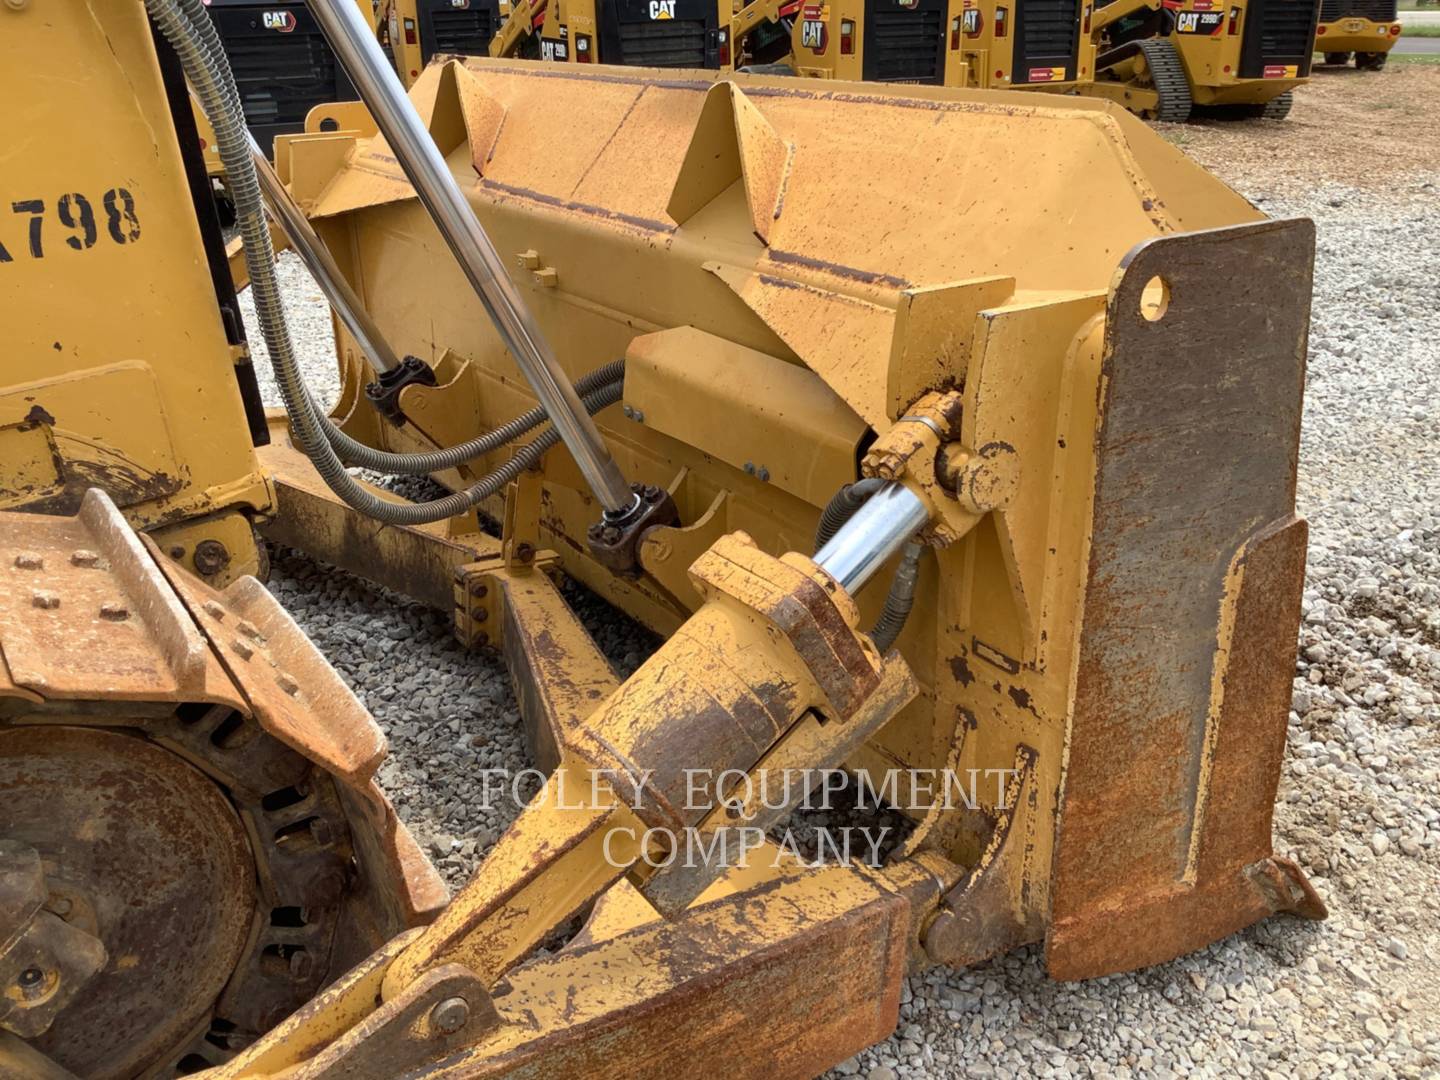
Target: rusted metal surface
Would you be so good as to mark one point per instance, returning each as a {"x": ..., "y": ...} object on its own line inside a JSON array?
[
  {"x": 811, "y": 743},
  {"x": 657, "y": 1000},
  {"x": 19, "y": 1059},
  {"x": 45, "y": 961},
  {"x": 87, "y": 613},
  {"x": 694, "y": 705},
  {"x": 444, "y": 1011},
  {"x": 149, "y": 854},
  {"x": 285, "y": 679},
  {"x": 685, "y": 998},
  {"x": 1195, "y": 573},
  {"x": 818, "y": 620},
  {"x": 557, "y": 672},
  {"x": 221, "y": 834},
  {"x": 986, "y": 912},
  {"x": 414, "y": 561}
]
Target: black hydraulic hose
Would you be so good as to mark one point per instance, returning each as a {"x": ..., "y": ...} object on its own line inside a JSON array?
[
  {"x": 425, "y": 463},
  {"x": 187, "y": 26},
  {"x": 842, "y": 507},
  {"x": 900, "y": 599}
]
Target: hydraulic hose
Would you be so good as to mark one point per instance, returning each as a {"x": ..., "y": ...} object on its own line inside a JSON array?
[
  {"x": 900, "y": 599},
  {"x": 425, "y": 463},
  {"x": 842, "y": 507},
  {"x": 187, "y": 26}
]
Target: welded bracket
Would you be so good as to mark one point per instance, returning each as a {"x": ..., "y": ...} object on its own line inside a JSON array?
[{"x": 985, "y": 913}]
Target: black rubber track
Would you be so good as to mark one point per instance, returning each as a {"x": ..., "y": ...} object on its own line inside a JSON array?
[
  {"x": 1167, "y": 73},
  {"x": 1277, "y": 108}
]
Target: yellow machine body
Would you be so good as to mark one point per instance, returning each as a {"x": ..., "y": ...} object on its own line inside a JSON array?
[
  {"x": 971, "y": 43},
  {"x": 282, "y": 66},
  {"x": 1366, "y": 31},
  {"x": 646, "y": 33},
  {"x": 118, "y": 371},
  {"x": 416, "y": 31},
  {"x": 781, "y": 320},
  {"x": 1019, "y": 308},
  {"x": 1162, "y": 60}
]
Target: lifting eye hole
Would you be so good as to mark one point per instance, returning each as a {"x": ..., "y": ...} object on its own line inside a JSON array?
[
  {"x": 1155, "y": 299},
  {"x": 329, "y": 124}
]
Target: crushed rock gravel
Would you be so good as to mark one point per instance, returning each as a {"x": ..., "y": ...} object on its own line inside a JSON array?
[{"x": 1359, "y": 802}]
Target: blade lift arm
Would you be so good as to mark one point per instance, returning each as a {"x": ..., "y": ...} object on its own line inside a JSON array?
[{"x": 770, "y": 673}]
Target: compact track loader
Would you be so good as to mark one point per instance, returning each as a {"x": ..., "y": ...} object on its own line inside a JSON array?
[
  {"x": 963, "y": 472},
  {"x": 641, "y": 33},
  {"x": 282, "y": 66},
  {"x": 1364, "y": 29},
  {"x": 419, "y": 30},
  {"x": 1240, "y": 59},
  {"x": 1161, "y": 61}
]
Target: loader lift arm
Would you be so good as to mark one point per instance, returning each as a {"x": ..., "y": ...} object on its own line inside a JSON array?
[
  {"x": 754, "y": 15},
  {"x": 526, "y": 18}
]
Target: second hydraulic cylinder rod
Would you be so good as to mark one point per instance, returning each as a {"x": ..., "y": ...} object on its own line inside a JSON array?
[{"x": 375, "y": 80}]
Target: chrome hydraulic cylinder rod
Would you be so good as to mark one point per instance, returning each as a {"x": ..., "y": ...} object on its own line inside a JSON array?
[
  {"x": 321, "y": 264},
  {"x": 375, "y": 80},
  {"x": 877, "y": 531}
]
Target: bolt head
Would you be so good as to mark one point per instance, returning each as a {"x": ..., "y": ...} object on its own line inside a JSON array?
[
  {"x": 211, "y": 556},
  {"x": 31, "y": 982},
  {"x": 302, "y": 965},
  {"x": 450, "y": 1015}
]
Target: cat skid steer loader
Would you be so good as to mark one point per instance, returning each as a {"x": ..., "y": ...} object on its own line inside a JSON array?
[
  {"x": 1161, "y": 61},
  {"x": 1241, "y": 59},
  {"x": 926, "y": 425},
  {"x": 1364, "y": 29}
]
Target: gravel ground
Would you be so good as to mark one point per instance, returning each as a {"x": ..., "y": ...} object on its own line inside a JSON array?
[{"x": 1360, "y": 796}]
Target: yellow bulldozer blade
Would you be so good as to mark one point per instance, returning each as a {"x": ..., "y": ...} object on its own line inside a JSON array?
[{"x": 978, "y": 415}]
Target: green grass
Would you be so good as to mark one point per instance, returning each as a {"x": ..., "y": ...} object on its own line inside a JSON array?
[
  {"x": 1415, "y": 58},
  {"x": 1422, "y": 30}
]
